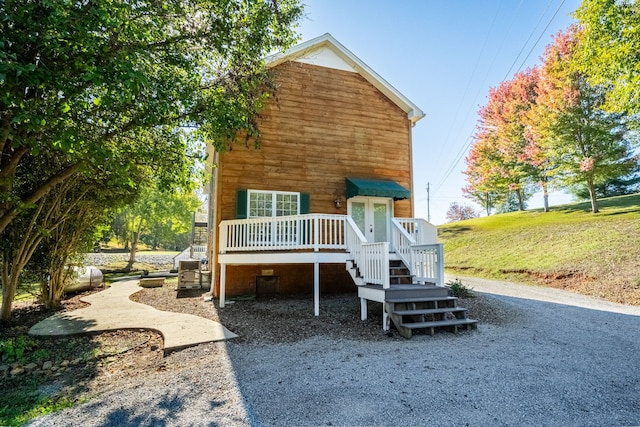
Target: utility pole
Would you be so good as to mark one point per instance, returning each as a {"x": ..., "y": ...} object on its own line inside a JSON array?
[{"x": 428, "y": 205}]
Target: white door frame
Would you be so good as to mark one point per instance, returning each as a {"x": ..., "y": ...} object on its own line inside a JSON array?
[{"x": 369, "y": 202}]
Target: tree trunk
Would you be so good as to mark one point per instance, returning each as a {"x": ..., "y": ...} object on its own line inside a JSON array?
[
  {"x": 545, "y": 192},
  {"x": 8, "y": 295},
  {"x": 135, "y": 237},
  {"x": 592, "y": 194},
  {"x": 488, "y": 204},
  {"x": 9, "y": 286},
  {"x": 520, "y": 199},
  {"x": 9, "y": 213}
]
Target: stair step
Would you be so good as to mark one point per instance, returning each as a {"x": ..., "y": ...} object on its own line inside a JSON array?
[
  {"x": 425, "y": 299},
  {"x": 439, "y": 323},
  {"x": 420, "y": 311}
]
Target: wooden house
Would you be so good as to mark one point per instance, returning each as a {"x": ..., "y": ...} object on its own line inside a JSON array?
[{"x": 325, "y": 204}]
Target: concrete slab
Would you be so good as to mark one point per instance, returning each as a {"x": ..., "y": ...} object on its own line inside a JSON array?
[{"x": 112, "y": 309}]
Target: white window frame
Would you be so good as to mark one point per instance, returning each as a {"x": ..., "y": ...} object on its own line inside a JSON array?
[
  {"x": 274, "y": 232},
  {"x": 274, "y": 200}
]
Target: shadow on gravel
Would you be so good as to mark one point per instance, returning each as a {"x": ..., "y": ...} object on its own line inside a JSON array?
[
  {"x": 553, "y": 364},
  {"x": 166, "y": 411}
]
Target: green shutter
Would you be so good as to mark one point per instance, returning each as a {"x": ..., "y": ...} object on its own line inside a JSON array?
[
  {"x": 241, "y": 204},
  {"x": 305, "y": 203}
]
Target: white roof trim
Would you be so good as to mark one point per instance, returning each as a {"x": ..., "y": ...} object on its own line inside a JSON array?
[{"x": 303, "y": 49}]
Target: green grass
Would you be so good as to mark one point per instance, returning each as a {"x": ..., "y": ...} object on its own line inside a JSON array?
[
  {"x": 569, "y": 247},
  {"x": 27, "y": 403}
]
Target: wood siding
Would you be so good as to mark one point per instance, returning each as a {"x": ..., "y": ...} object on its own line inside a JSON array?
[
  {"x": 322, "y": 126},
  {"x": 294, "y": 279}
]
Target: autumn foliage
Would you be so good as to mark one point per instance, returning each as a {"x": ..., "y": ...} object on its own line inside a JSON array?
[{"x": 547, "y": 127}]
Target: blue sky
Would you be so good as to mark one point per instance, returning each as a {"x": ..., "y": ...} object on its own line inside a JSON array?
[{"x": 443, "y": 55}]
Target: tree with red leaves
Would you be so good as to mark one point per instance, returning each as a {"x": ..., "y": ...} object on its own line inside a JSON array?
[
  {"x": 458, "y": 212},
  {"x": 500, "y": 162}
]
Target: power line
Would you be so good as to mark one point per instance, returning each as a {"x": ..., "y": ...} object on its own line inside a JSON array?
[
  {"x": 529, "y": 38},
  {"x": 471, "y": 76},
  {"x": 469, "y": 139}
]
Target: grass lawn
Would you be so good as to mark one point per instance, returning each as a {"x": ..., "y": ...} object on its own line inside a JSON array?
[{"x": 569, "y": 247}]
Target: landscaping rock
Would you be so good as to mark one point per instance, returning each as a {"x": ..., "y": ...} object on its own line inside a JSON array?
[{"x": 17, "y": 371}]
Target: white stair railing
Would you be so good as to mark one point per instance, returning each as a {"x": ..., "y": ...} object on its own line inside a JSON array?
[
  {"x": 427, "y": 264},
  {"x": 375, "y": 264},
  {"x": 401, "y": 242},
  {"x": 372, "y": 259},
  {"x": 186, "y": 254}
]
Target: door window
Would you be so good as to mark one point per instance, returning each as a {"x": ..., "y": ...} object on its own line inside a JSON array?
[{"x": 372, "y": 216}]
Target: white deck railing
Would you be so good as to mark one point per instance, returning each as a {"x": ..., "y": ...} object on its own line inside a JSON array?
[
  {"x": 324, "y": 231},
  {"x": 295, "y": 232},
  {"x": 422, "y": 232}
]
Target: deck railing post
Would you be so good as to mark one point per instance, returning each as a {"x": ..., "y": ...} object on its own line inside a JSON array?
[
  {"x": 386, "y": 283},
  {"x": 316, "y": 233},
  {"x": 223, "y": 284},
  {"x": 440, "y": 262},
  {"x": 223, "y": 238}
]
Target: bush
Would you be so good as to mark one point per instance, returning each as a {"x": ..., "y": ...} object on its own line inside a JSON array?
[{"x": 457, "y": 289}]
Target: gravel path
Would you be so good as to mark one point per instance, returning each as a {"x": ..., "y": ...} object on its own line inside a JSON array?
[
  {"x": 551, "y": 364},
  {"x": 105, "y": 258}
]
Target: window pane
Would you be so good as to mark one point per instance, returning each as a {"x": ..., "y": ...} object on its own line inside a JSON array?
[
  {"x": 380, "y": 222},
  {"x": 287, "y": 204},
  {"x": 357, "y": 213}
]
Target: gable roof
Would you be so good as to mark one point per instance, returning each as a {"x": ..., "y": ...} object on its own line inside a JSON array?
[{"x": 330, "y": 53}]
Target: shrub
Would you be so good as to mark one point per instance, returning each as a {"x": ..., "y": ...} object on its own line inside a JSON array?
[{"x": 457, "y": 289}]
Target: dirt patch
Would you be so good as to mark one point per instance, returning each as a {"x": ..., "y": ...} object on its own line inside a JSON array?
[{"x": 611, "y": 283}]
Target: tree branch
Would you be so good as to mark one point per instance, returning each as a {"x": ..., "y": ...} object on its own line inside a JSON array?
[{"x": 42, "y": 191}]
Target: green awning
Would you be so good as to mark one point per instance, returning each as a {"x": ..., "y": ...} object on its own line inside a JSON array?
[{"x": 376, "y": 188}]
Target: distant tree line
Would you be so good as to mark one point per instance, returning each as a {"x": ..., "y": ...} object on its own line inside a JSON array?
[{"x": 570, "y": 123}]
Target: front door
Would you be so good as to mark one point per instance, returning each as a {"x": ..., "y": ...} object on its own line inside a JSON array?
[{"x": 372, "y": 215}]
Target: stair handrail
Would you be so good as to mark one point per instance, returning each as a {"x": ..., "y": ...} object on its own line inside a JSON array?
[
  {"x": 354, "y": 240},
  {"x": 372, "y": 259},
  {"x": 402, "y": 242}
]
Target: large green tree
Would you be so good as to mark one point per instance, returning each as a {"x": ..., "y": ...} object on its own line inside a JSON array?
[
  {"x": 609, "y": 50},
  {"x": 585, "y": 143},
  {"x": 95, "y": 79},
  {"x": 157, "y": 214},
  {"x": 104, "y": 87}
]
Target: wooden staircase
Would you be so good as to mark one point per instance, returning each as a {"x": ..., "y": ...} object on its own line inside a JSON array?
[{"x": 414, "y": 307}]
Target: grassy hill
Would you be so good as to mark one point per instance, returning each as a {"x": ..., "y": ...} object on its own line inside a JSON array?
[{"x": 569, "y": 248}]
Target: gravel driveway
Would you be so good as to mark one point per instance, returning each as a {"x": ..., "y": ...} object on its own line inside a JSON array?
[{"x": 553, "y": 364}]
